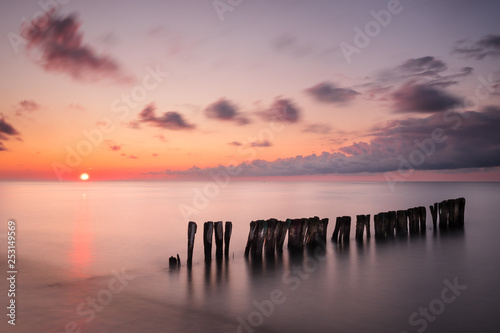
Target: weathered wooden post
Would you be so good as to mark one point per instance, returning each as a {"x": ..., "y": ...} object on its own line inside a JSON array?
[
  {"x": 208, "y": 230},
  {"x": 461, "y": 211},
  {"x": 443, "y": 215},
  {"x": 434, "y": 212},
  {"x": 335, "y": 236},
  {"x": 391, "y": 223},
  {"x": 345, "y": 229},
  {"x": 413, "y": 220},
  {"x": 367, "y": 222},
  {"x": 270, "y": 243},
  {"x": 251, "y": 237},
  {"x": 259, "y": 239},
  {"x": 281, "y": 231},
  {"x": 296, "y": 234},
  {"x": 360, "y": 226},
  {"x": 172, "y": 262},
  {"x": 423, "y": 219},
  {"x": 192, "y": 227},
  {"x": 402, "y": 224},
  {"x": 322, "y": 229},
  {"x": 227, "y": 238},
  {"x": 378, "y": 223},
  {"x": 219, "y": 240}
]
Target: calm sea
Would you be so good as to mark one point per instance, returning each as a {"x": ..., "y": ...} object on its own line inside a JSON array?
[{"x": 93, "y": 257}]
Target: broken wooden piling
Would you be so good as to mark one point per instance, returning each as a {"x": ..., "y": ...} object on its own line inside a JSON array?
[
  {"x": 434, "y": 212},
  {"x": 423, "y": 219},
  {"x": 258, "y": 241},
  {"x": 251, "y": 236},
  {"x": 402, "y": 223},
  {"x": 296, "y": 234},
  {"x": 208, "y": 229},
  {"x": 280, "y": 232},
  {"x": 270, "y": 240},
  {"x": 362, "y": 222},
  {"x": 451, "y": 214},
  {"x": 219, "y": 240},
  {"x": 227, "y": 237},
  {"x": 342, "y": 231},
  {"x": 174, "y": 263},
  {"x": 192, "y": 227}
]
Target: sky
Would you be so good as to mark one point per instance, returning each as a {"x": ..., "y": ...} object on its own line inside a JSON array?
[{"x": 252, "y": 89}]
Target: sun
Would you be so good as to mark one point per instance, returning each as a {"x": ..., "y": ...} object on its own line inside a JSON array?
[{"x": 84, "y": 176}]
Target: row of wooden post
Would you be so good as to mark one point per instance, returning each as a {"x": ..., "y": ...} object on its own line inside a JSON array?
[
  {"x": 269, "y": 235},
  {"x": 210, "y": 228},
  {"x": 451, "y": 214}
]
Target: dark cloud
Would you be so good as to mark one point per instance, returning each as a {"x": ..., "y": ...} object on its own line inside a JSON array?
[
  {"x": 264, "y": 143},
  {"x": 235, "y": 143},
  {"x": 281, "y": 109},
  {"x": 225, "y": 110},
  {"x": 6, "y": 131},
  {"x": 170, "y": 120},
  {"x": 60, "y": 43},
  {"x": 423, "y": 98},
  {"x": 318, "y": 128},
  {"x": 488, "y": 46},
  {"x": 329, "y": 93},
  {"x": 447, "y": 141}
]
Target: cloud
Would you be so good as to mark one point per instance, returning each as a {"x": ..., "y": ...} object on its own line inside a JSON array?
[
  {"x": 465, "y": 140},
  {"x": 170, "y": 120},
  {"x": 290, "y": 44},
  {"x": 235, "y": 143},
  {"x": 264, "y": 143},
  {"x": 423, "y": 98},
  {"x": 60, "y": 42},
  {"x": 26, "y": 106},
  {"x": 129, "y": 156},
  {"x": 225, "y": 110},
  {"x": 281, "y": 109},
  {"x": 424, "y": 66},
  {"x": 487, "y": 46},
  {"x": 318, "y": 128},
  {"x": 6, "y": 131},
  {"x": 329, "y": 93},
  {"x": 160, "y": 137}
]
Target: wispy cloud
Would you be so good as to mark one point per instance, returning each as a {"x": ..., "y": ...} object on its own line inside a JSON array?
[
  {"x": 262, "y": 144},
  {"x": 487, "y": 46},
  {"x": 26, "y": 106},
  {"x": 318, "y": 128},
  {"x": 7, "y": 131}
]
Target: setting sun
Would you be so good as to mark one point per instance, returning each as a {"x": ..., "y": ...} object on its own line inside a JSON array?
[{"x": 84, "y": 176}]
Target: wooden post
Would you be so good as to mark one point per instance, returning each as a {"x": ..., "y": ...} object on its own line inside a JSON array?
[
  {"x": 270, "y": 243},
  {"x": 227, "y": 238},
  {"x": 461, "y": 212},
  {"x": 172, "y": 262},
  {"x": 281, "y": 230},
  {"x": 178, "y": 260},
  {"x": 423, "y": 219},
  {"x": 208, "y": 230},
  {"x": 368, "y": 233},
  {"x": 192, "y": 227},
  {"x": 323, "y": 226},
  {"x": 335, "y": 236},
  {"x": 259, "y": 239},
  {"x": 434, "y": 213},
  {"x": 313, "y": 232},
  {"x": 391, "y": 217},
  {"x": 443, "y": 215},
  {"x": 378, "y": 222},
  {"x": 251, "y": 237},
  {"x": 402, "y": 224},
  {"x": 345, "y": 229},
  {"x": 219, "y": 240},
  {"x": 360, "y": 226},
  {"x": 296, "y": 234}
]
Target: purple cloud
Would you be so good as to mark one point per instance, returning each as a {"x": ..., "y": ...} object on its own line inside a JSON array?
[
  {"x": 170, "y": 120},
  {"x": 329, "y": 93}
]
